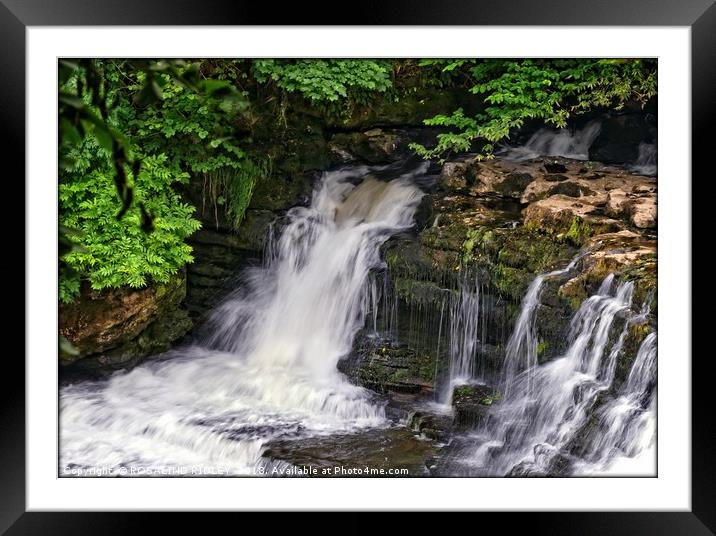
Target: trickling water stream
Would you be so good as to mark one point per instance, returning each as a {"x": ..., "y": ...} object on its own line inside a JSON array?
[{"x": 465, "y": 333}]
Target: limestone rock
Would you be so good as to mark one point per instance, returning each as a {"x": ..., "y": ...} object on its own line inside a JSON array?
[
  {"x": 617, "y": 203},
  {"x": 485, "y": 178},
  {"x": 643, "y": 212},
  {"x": 457, "y": 175}
]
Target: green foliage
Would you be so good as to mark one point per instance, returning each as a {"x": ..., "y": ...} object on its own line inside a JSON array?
[
  {"x": 326, "y": 80},
  {"x": 232, "y": 189},
  {"x": 514, "y": 92},
  {"x": 579, "y": 230},
  {"x": 118, "y": 252},
  {"x": 131, "y": 132},
  {"x": 191, "y": 129},
  {"x": 138, "y": 129}
]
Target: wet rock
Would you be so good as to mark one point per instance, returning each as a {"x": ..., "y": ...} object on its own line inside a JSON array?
[
  {"x": 279, "y": 193},
  {"x": 386, "y": 367},
  {"x": 509, "y": 248},
  {"x": 112, "y": 327},
  {"x": 471, "y": 404},
  {"x": 554, "y": 167},
  {"x": 424, "y": 213},
  {"x": 220, "y": 255},
  {"x": 457, "y": 175},
  {"x": 376, "y": 449},
  {"x": 432, "y": 426}
]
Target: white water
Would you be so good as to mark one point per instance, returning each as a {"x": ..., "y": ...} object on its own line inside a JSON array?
[
  {"x": 464, "y": 335},
  {"x": 521, "y": 351},
  {"x": 546, "y": 407},
  {"x": 624, "y": 441},
  {"x": 466, "y": 330},
  {"x": 646, "y": 162},
  {"x": 550, "y": 142},
  {"x": 268, "y": 368}
]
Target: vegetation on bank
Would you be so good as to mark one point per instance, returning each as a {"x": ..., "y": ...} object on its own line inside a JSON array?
[{"x": 133, "y": 133}]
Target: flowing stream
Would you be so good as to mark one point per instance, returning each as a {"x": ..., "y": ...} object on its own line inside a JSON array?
[{"x": 267, "y": 369}]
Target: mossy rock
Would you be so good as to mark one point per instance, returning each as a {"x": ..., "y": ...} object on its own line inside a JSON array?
[
  {"x": 281, "y": 192},
  {"x": 635, "y": 336},
  {"x": 388, "y": 368},
  {"x": 471, "y": 404}
]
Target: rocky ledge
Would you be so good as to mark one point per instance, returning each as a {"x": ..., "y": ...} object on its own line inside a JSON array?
[
  {"x": 114, "y": 329},
  {"x": 499, "y": 224}
]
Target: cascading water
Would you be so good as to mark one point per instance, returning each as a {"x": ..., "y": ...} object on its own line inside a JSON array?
[
  {"x": 521, "y": 351},
  {"x": 545, "y": 409},
  {"x": 646, "y": 162},
  {"x": 267, "y": 369},
  {"x": 464, "y": 334},
  {"x": 624, "y": 439},
  {"x": 549, "y": 402},
  {"x": 549, "y": 142}
]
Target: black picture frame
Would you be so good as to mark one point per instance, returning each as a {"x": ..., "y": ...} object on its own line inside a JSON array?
[{"x": 699, "y": 15}]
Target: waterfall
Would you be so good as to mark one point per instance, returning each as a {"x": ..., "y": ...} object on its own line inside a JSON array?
[
  {"x": 624, "y": 439},
  {"x": 521, "y": 351},
  {"x": 560, "y": 142},
  {"x": 545, "y": 412},
  {"x": 646, "y": 160},
  {"x": 267, "y": 368},
  {"x": 463, "y": 335},
  {"x": 550, "y": 402}
]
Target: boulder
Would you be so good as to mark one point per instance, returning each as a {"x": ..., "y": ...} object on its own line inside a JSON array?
[
  {"x": 643, "y": 212},
  {"x": 485, "y": 178},
  {"x": 471, "y": 404},
  {"x": 570, "y": 189},
  {"x": 617, "y": 203},
  {"x": 457, "y": 175},
  {"x": 111, "y": 326}
]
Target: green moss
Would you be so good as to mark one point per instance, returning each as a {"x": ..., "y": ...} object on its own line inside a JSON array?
[
  {"x": 491, "y": 399},
  {"x": 541, "y": 347},
  {"x": 574, "y": 292},
  {"x": 395, "y": 369},
  {"x": 462, "y": 390},
  {"x": 579, "y": 231},
  {"x": 511, "y": 282}
]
